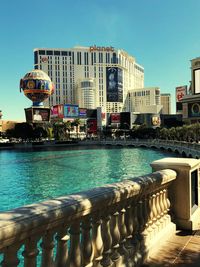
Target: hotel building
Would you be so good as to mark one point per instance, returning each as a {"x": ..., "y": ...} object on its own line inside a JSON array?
[
  {"x": 166, "y": 103},
  {"x": 191, "y": 101},
  {"x": 90, "y": 76},
  {"x": 144, "y": 100}
]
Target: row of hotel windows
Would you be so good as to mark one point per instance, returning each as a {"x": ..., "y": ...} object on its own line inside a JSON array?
[
  {"x": 108, "y": 59},
  {"x": 142, "y": 93}
]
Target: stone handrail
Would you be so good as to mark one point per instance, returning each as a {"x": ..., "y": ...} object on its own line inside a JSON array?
[{"x": 113, "y": 225}]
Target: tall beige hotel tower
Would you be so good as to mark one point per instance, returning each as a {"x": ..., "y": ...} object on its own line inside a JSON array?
[{"x": 95, "y": 76}]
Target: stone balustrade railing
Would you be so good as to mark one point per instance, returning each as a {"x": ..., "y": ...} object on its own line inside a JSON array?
[
  {"x": 184, "y": 148},
  {"x": 113, "y": 225}
]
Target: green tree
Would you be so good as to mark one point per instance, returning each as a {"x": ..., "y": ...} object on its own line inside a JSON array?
[{"x": 23, "y": 130}]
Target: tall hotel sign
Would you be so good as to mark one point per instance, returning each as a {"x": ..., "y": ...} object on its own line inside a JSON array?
[{"x": 181, "y": 91}]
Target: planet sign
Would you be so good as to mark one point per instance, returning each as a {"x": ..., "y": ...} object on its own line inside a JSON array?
[{"x": 37, "y": 86}]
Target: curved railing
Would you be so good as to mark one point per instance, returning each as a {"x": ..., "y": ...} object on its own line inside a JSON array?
[
  {"x": 113, "y": 225},
  {"x": 183, "y": 148}
]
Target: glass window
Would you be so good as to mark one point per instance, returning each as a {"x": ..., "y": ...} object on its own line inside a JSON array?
[
  {"x": 56, "y": 53},
  {"x": 41, "y": 52},
  {"x": 114, "y": 60},
  {"x": 36, "y": 57},
  {"x": 64, "y": 53},
  {"x": 49, "y": 53}
]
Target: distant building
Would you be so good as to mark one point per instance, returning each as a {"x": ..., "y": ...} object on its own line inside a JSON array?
[
  {"x": 191, "y": 101},
  {"x": 166, "y": 103},
  {"x": 144, "y": 100},
  {"x": 90, "y": 77},
  {"x": 181, "y": 91}
]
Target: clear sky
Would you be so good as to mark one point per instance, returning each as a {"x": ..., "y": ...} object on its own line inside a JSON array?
[{"x": 163, "y": 36}]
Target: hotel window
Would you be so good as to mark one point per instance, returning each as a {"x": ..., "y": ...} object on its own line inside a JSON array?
[
  {"x": 86, "y": 58},
  {"x": 114, "y": 58},
  {"x": 41, "y": 52},
  {"x": 56, "y": 53},
  {"x": 92, "y": 58},
  {"x": 49, "y": 53},
  {"x": 95, "y": 60},
  {"x": 64, "y": 53},
  {"x": 36, "y": 57},
  {"x": 100, "y": 57},
  {"x": 78, "y": 58}
]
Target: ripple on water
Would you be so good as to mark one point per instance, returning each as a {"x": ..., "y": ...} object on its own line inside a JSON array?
[{"x": 28, "y": 177}]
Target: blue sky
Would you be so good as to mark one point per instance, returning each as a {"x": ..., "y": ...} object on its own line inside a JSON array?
[{"x": 163, "y": 36}]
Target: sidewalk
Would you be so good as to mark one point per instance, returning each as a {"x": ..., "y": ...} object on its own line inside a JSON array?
[{"x": 183, "y": 249}]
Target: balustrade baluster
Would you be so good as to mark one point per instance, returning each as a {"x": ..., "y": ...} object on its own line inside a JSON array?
[
  {"x": 154, "y": 210},
  {"x": 10, "y": 256},
  {"x": 62, "y": 248},
  {"x": 47, "y": 249},
  {"x": 115, "y": 238},
  {"x": 87, "y": 247},
  {"x": 167, "y": 206},
  {"x": 123, "y": 232},
  {"x": 107, "y": 242},
  {"x": 146, "y": 232},
  {"x": 146, "y": 212},
  {"x": 97, "y": 239},
  {"x": 162, "y": 209},
  {"x": 158, "y": 209},
  {"x": 30, "y": 252},
  {"x": 129, "y": 220},
  {"x": 137, "y": 233},
  {"x": 141, "y": 234},
  {"x": 129, "y": 225},
  {"x": 151, "y": 217},
  {"x": 135, "y": 240},
  {"x": 75, "y": 250}
]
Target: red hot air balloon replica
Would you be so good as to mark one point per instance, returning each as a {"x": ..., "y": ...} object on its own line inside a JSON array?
[{"x": 37, "y": 86}]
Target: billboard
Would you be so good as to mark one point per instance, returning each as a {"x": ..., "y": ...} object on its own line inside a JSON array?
[
  {"x": 114, "y": 84},
  {"x": 92, "y": 126},
  {"x": 197, "y": 81},
  {"x": 71, "y": 111},
  {"x": 82, "y": 112},
  {"x": 57, "y": 111},
  {"x": 194, "y": 109},
  {"x": 180, "y": 92},
  {"x": 115, "y": 117},
  {"x": 155, "y": 120},
  {"x": 37, "y": 115}
]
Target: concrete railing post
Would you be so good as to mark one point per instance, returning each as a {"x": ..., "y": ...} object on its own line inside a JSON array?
[{"x": 185, "y": 192}]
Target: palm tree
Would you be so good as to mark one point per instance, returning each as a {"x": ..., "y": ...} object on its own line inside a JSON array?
[
  {"x": 68, "y": 126},
  {"x": 76, "y": 123}
]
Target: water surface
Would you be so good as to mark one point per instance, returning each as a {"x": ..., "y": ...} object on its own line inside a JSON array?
[{"x": 32, "y": 176}]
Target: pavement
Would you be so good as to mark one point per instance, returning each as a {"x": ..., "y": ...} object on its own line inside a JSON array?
[{"x": 183, "y": 249}]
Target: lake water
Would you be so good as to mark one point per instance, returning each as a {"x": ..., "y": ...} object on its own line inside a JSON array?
[{"x": 32, "y": 176}]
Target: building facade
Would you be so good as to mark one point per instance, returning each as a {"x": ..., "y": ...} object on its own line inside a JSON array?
[
  {"x": 144, "y": 100},
  {"x": 90, "y": 76},
  {"x": 166, "y": 103},
  {"x": 191, "y": 101}
]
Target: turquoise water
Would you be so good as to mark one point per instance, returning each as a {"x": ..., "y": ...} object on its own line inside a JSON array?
[{"x": 33, "y": 176}]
